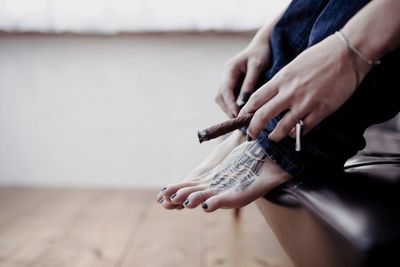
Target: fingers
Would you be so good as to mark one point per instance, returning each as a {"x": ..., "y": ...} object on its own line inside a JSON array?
[
  {"x": 260, "y": 97},
  {"x": 227, "y": 102},
  {"x": 264, "y": 114},
  {"x": 253, "y": 71},
  {"x": 269, "y": 101},
  {"x": 225, "y": 97},
  {"x": 286, "y": 125},
  {"x": 312, "y": 120},
  {"x": 230, "y": 102}
]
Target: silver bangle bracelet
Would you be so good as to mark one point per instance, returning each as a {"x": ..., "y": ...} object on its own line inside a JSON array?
[
  {"x": 352, "y": 58},
  {"x": 344, "y": 39}
]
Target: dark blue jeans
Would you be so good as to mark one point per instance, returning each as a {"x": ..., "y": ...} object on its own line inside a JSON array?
[{"x": 340, "y": 136}]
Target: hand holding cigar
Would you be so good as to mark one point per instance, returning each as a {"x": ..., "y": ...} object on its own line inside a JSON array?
[{"x": 239, "y": 122}]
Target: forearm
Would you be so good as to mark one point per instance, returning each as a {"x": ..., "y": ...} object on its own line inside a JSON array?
[{"x": 375, "y": 29}]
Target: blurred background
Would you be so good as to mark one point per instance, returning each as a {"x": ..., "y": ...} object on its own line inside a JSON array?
[
  {"x": 100, "y": 104},
  {"x": 112, "y": 92}
]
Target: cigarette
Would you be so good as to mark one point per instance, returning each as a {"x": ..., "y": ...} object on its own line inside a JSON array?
[
  {"x": 224, "y": 127},
  {"x": 299, "y": 128}
]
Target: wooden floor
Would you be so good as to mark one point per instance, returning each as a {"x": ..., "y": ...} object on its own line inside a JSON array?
[{"x": 90, "y": 227}]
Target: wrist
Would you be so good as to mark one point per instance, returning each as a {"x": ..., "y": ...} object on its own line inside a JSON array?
[
  {"x": 262, "y": 36},
  {"x": 364, "y": 45},
  {"x": 370, "y": 33},
  {"x": 259, "y": 43},
  {"x": 361, "y": 63}
]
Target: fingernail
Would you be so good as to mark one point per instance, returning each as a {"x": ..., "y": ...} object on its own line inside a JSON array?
[
  {"x": 163, "y": 189},
  {"x": 246, "y": 97},
  {"x": 161, "y": 201},
  {"x": 271, "y": 138},
  {"x": 249, "y": 138},
  {"x": 174, "y": 195},
  {"x": 186, "y": 202}
]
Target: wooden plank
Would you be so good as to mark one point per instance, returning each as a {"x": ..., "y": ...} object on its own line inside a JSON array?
[
  {"x": 98, "y": 235},
  {"x": 247, "y": 241},
  {"x": 125, "y": 228},
  {"x": 167, "y": 239},
  {"x": 221, "y": 246},
  {"x": 29, "y": 236},
  {"x": 15, "y": 201}
]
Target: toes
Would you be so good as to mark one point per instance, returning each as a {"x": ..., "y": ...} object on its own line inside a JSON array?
[
  {"x": 170, "y": 206},
  {"x": 214, "y": 203},
  {"x": 160, "y": 195},
  {"x": 159, "y": 198},
  {"x": 224, "y": 200},
  {"x": 180, "y": 207},
  {"x": 172, "y": 189},
  {"x": 196, "y": 198},
  {"x": 182, "y": 194}
]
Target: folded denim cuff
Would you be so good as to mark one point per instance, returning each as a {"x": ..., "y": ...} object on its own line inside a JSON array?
[
  {"x": 282, "y": 153},
  {"x": 310, "y": 160}
]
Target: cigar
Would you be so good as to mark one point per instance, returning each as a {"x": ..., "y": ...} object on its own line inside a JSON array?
[{"x": 224, "y": 127}]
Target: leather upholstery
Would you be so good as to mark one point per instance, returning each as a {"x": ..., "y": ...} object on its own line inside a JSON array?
[{"x": 360, "y": 204}]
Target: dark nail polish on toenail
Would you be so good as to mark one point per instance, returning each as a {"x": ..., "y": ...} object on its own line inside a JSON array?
[
  {"x": 186, "y": 202},
  {"x": 174, "y": 195},
  {"x": 163, "y": 189},
  {"x": 204, "y": 205},
  {"x": 249, "y": 138},
  {"x": 161, "y": 201}
]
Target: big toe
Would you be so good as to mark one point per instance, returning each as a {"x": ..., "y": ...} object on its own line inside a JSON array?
[{"x": 225, "y": 200}]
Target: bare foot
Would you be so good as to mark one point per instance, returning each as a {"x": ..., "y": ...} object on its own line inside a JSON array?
[
  {"x": 243, "y": 176},
  {"x": 216, "y": 156}
]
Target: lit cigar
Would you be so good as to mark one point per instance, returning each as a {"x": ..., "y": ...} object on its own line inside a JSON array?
[{"x": 224, "y": 127}]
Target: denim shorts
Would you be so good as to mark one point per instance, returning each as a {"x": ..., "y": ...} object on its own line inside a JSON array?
[{"x": 339, "y": 136}]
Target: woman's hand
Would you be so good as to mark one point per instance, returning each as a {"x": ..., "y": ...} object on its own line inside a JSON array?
[
  {"x": 248, "y": 64},
  {"x": 311, "y": 87}
]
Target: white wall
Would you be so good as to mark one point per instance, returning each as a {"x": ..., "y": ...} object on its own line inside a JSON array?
[
  {"x": 107, "y": 111},
  {"x": 136, "y": 15}
]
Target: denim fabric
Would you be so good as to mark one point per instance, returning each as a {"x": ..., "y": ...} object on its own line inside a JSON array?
[{"x": 340, "y": 136}]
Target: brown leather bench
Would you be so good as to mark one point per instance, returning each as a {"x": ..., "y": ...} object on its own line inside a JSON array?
[{"x": 351, "y": 218}]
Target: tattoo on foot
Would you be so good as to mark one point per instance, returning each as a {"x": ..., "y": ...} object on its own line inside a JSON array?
[{"x": 240, "y": 168}]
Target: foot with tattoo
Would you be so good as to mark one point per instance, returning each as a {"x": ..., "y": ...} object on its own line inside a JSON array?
[
  {"x": 244, "y": 175},
  {"x": 215, "y": 157}
]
